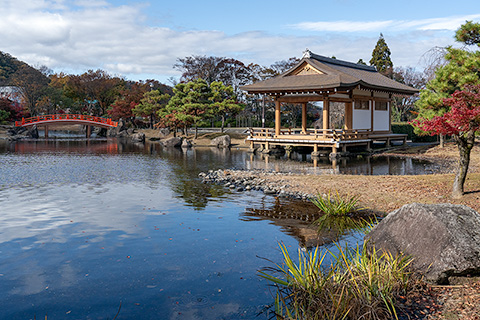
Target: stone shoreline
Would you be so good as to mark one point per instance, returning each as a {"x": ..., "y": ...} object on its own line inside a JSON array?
[{"x": 261, "y": 180}]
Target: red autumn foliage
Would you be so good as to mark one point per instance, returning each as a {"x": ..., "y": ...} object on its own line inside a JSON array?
[
  {"x": 464, "y": 115},
  {"x": 462, "y": 122}
]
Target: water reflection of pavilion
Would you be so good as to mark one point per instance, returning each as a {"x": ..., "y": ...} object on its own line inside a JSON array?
[{"x": 295, "y": 218}]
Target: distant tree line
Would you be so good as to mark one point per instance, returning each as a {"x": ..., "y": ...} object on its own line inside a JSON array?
[{"x": 218, "y": 102}]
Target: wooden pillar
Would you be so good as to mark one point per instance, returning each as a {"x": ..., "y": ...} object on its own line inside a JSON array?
[
  {"x": 277, "y": 118},
  {"x": 389, "y": 107},
  {"x": 372, "y": 110},
  {"x": 304, "y": 117},
  {"x": 349, "y": 115},
  {"x": 89, "y": 131},
  {"x": 334, "y": 163},
  {"x": 315, "y": 152},
  {"x": 46, "y": 132},
  {"x": 326, "y": 114}
]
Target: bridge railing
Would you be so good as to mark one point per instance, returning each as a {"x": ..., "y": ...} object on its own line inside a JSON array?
[{"x": 65, "y": 116}]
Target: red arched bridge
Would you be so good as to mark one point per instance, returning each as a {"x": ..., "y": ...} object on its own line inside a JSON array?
[{"x": 52, "y": 119}]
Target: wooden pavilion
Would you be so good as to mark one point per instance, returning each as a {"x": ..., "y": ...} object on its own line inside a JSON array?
[{"x": 365, "y": 93}]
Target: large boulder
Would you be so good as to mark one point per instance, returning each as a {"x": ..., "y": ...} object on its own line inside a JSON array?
[
  {"x": 100, "y": 132},
  {"x": 172, "y": 142},
  {"x": 33, "y": 132},
  {"x": 119, "y": 130},
  {"x": 442, "y": 239},
  {"x": 221, "y": 142}
]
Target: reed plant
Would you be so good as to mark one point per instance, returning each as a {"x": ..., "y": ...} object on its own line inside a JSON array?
[
  {"x": 356, "y": 285},
  {"x": 335, "y": 205},
  {"x": 341, "y": 213}
]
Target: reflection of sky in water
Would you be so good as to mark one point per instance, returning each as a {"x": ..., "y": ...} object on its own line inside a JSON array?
[
  {"x": 87, "y": 226},
  {"x": 82, "y": 233}
]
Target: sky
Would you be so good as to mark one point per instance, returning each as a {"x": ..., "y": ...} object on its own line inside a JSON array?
[{"x": 142, "y": 40}]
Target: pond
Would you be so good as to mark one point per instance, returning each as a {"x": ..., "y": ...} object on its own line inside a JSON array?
[{"x": 89, "y": 228}]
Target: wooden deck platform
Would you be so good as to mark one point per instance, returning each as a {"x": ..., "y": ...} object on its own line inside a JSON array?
[{"x": 335, "y": 139}]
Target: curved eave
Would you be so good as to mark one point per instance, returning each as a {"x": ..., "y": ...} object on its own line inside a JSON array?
[
  {"x": 327, "y": 89},
  {"x": 407, "y": 91}
]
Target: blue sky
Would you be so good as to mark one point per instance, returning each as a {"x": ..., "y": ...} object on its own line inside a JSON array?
[{"x": 143, "y": 39}]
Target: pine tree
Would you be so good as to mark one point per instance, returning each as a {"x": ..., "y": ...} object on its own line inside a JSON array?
[
  {"x": 381, "y": 57},
  {"x": 360, "y": 61}
]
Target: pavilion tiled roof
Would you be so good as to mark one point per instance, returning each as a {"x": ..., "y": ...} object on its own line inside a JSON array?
[{"x": 331, "y": 75}]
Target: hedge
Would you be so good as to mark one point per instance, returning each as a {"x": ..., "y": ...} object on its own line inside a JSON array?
[{"x": 405, "y": 127}]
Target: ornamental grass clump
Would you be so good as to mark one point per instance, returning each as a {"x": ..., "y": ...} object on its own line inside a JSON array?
[
  {"x": 335, "y": 205},
  {"x": 340, "y": 213},
  {"x": 356, "y": 285}
]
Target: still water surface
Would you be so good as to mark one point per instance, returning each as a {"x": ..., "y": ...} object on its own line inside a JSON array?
[{"x": 89, "y": 226}]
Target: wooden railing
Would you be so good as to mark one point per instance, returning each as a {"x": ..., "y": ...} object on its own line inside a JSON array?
[
  {"x": 312, "y": 134},
  {"x": 67, "y": 117}
]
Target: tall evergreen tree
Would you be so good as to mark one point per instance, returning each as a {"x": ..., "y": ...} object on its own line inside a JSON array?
[
  {"x": 223, "y": 101},
  {"x": 381, "y": 57}
]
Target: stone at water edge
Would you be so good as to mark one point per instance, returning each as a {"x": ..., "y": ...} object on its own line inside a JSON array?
[
  {"x": 138, "y": 137},
  {"x": 33, "y": 132},
  {"x": 186, "y": 144},
  {"x": 442, "y": 239},
  {"x": 222, "y": 141},
  {"x": 172, "y": 142}
]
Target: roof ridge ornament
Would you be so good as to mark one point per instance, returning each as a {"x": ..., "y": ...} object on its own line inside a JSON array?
[{"x": 307, "y": 54}]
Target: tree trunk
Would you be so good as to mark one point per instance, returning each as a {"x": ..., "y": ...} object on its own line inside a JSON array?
[
  {"x": 465, "y": 145},
  {"x": 151, "y": 121},
  {"x": 223, "y": 122},
  {"x": 442, "y": 140},
  {"x": 196, "y": 131}
]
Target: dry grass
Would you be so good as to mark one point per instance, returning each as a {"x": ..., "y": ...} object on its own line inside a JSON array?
[{"x": 387, "y": 193}]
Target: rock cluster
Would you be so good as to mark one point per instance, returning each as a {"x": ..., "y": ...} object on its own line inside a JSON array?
[
  {"x": 18, "y": 133},
  {"x": 122, "y": 131},
  {"x": 243, "y": 180}
]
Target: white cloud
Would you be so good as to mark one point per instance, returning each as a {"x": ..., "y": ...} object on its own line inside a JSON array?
[
  {"x": 447, "y": 23},
  {"x": 95, "y": 34},
  {"x": 344, "y": 26}
]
